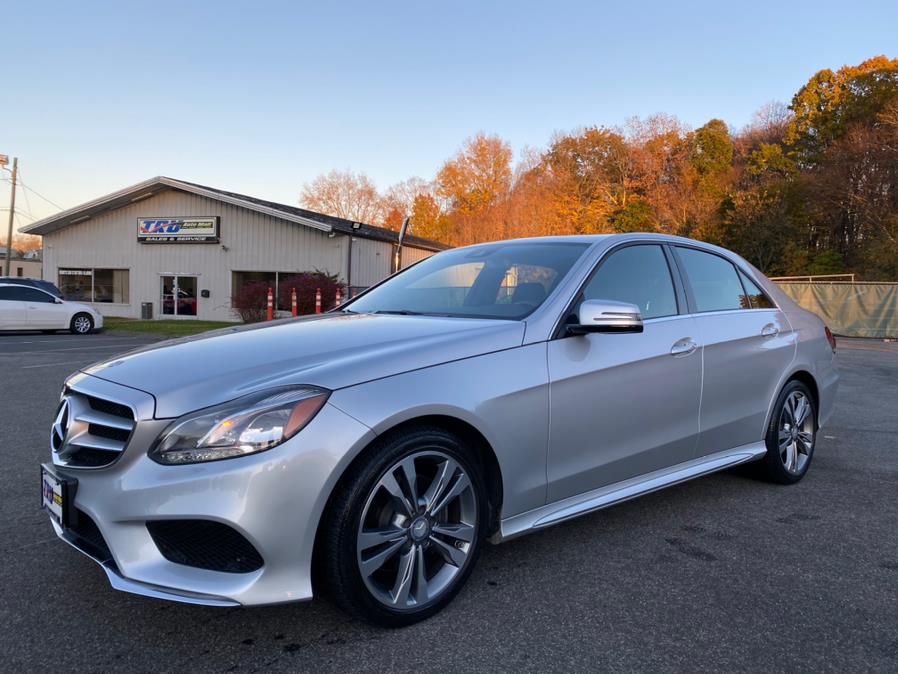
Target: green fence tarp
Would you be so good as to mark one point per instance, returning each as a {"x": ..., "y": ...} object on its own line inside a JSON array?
[{"x": 850, "y": 309}]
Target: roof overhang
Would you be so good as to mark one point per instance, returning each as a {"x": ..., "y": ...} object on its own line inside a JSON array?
[{"x": 146, "y": 189}]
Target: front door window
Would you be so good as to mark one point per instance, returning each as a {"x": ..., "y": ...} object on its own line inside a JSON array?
[{"x": 179, "y": 295}]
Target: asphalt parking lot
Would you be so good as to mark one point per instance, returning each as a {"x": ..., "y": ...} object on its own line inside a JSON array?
[{"x": 723, "y": 573}]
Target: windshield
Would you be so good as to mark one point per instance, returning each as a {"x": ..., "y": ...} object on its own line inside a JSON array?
[{"x": 497, "y": 280}]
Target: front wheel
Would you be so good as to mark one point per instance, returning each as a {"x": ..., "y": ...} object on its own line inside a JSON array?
[
  {"x": 81, "y": 324},
  {"x": 405, "y": 529},
  {"x": 791, "y": 435}
]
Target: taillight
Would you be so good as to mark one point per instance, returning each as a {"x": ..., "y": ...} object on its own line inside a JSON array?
[{"x": 831, "y": 338}]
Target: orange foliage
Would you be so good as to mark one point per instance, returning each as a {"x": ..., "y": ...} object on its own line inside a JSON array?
[{"x": 812, "y": 181}]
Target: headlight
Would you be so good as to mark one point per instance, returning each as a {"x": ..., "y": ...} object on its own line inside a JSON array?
[{"x": 244, "y": 426}]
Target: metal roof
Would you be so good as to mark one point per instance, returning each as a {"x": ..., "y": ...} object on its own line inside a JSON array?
[{"x": 301, "y": 216}]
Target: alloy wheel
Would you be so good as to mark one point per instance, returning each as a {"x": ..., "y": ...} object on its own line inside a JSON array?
[
  {"x": 418, "y": 528},
  {"x": 795, "y": 439},
  {"x": 82, "y": 324}
]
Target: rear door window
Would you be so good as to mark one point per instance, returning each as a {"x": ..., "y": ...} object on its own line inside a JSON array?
[
  {"x": 715, "y": 283},
  {"x": 756, "y": 296}
]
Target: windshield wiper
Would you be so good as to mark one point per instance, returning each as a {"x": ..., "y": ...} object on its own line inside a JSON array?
[{"x": 397, "y": 312}]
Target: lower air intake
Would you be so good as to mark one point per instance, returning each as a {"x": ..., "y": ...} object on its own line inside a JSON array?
[{"x": 204, "y": 544}]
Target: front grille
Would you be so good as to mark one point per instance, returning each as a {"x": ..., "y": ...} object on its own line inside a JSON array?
[
  {"x": 90, "y": 432},
  {"x": 109, "y": 407},
  {"x": 204, "y": 544},
  {"x": 109, "y": 433},
  {"x": 85, "y": 534}
]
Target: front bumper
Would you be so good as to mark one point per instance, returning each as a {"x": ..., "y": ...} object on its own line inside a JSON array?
[{"x": 274, "y": 499}]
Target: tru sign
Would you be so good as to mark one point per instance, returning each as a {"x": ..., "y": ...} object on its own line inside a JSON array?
[{"x": 168, "y": 226}]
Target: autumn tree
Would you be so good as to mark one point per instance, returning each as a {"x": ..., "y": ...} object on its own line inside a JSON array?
[
  {"x": 831, "y": 102},
  {"x": 475, "y": 183},
  {"x": 661, "y": 156},
  {"x": 808, "y": 188},
  {"x": 588, "y": 176},
  {"x": 399, "y": 201},
  {"x": 344, "y": 194},
  {"x": 845, "y": 148},
  {"x": 24, "y": 243},
  {"x": 428, "y": 220}
]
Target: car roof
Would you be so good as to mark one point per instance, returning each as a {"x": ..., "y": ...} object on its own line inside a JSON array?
[
  {"x": 40, "y": 284},
  {"x": 609, "y": 240}
]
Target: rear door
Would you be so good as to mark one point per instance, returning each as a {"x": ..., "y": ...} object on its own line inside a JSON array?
[
  {"x": 747, "y": 345},
  {"x": 623, "y": 405},
  {"x": 12, "y": 308}
]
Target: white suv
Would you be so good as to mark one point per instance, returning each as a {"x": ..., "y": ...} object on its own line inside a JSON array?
[{"x": 24, "y": 307}]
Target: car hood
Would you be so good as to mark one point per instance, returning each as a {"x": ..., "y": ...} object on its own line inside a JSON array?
[{"x": 332, "y": 351}]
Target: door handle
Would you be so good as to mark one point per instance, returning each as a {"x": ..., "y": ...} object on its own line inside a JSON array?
[
  {"x": 683, "y": 347},
  {"x": 770, "y": 330}
]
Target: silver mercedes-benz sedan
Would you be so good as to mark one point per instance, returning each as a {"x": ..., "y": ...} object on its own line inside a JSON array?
[{"x": 484, "y": 393}]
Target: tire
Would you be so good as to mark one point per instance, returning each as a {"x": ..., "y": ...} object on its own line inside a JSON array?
[
  {"x": 789, "y": 452},
  {"x": 374, "y": 576},
  {"x": 80, "y": 326}
]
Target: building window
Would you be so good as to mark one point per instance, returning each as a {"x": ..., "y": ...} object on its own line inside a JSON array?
[
  {"x": 111, "y": 285},
  {"x": 269, "y": 278},
  {"x": 20, "y": 271},
  {"x": 95, "y": 285}
]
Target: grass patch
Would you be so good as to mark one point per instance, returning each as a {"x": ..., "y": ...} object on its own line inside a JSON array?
[{"x": 163, "y": 328}]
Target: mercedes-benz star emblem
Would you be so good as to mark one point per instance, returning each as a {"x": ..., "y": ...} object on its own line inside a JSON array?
[{"x": 60, "y": 427}]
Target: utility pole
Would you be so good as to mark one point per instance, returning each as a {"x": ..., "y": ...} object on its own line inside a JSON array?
[{"x": 12, "y": 214}]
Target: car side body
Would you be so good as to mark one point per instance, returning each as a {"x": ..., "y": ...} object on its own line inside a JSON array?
[{"x": 562, "y": 424}]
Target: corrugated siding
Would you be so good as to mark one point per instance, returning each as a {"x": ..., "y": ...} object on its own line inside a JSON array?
[
  {"x": 411, "y": 255},
  {"x": 371, "y": 261},
  {"x": 250, "y": 241}
]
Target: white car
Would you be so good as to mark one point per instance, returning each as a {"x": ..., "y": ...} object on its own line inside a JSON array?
[{"x": 23, "y": 307}]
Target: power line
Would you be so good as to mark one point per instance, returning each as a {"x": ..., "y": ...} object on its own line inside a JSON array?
[
  {"x": 22, "y": 211},
  {"x": 19, "y": 211},
  {"x": 25, "y": 194},
  {"x": 38, "y": 194},
  {"x": 33, "y": 191}
]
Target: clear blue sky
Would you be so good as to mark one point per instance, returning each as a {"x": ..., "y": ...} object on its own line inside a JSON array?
[{"x": 259, "y": 97}]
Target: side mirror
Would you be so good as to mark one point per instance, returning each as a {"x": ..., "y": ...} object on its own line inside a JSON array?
[
  {"x": 606, "y": 316},
  {"x": 57, "y": 300}
]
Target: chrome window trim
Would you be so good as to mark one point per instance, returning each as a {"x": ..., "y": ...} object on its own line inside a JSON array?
[{"x": 739, "y": 268}]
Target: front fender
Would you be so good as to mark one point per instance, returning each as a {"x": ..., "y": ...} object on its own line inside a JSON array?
[{"x": 504, "y": 395}]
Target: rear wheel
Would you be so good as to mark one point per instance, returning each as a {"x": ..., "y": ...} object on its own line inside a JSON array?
[
  {"x": 791, "y": 435},
  {"x": 81, "y": 324},
  {"x": 405, "y": 529}
]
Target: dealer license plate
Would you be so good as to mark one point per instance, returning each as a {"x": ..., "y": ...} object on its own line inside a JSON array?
[{"x": 55, "y": 495}]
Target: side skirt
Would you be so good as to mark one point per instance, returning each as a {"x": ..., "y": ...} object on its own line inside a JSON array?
[{"x": 581, "y": 504}]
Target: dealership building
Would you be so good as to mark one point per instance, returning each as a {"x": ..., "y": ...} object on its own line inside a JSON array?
[{"x": 139, "y": 249}]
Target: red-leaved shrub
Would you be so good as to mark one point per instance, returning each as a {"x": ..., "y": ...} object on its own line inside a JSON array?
[
  {"x": 306, "y": 283},
  {"x": 251, "y": 301}
]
